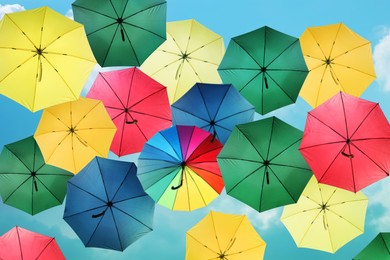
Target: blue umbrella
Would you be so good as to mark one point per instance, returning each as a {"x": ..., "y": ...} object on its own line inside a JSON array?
[
  {"x": 106, "y": 205},
  {"x": 216, "y": 108}
]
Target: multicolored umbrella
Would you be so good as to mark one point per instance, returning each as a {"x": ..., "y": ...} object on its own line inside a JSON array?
[
  {"x": 178, "y": 168},
  {"x": 122, "y": 33},
  {"x": 137, "y": 104},
  {"x": 216, "y": 108},
  {"x": 45, "y": 58},
  {"x": 261, "y": 165},
  {"x": 106, "y": 205},
  {"x": 378, "y": 248},
  {"x": 346, "y": 142},
  {"x": 266, "y": 66},
  {"x": 224, "y": 236}
]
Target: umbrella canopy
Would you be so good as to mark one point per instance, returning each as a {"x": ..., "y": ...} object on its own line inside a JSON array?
[
  {"x": 106, "y": 205},
  {"x": 26, "y": 182},
  {"x": 346, "y": 142},
  {"x": 338, "y": 60},
  {"x": 70, "y": 135},
  {"x": 266, "y": 66},
  {"x": 224, "y": 236},
  {"x": 122, "y": 33},
  {"x": 378, "y": 248},
  {"x": 137, "y": 104},
  {"x": 45, "y": 58},
  {"x": 261, "y": 165},
  {"x": 190, "y": 54},
  {"x": 22, "y": 244},
  {"x": 325, "y": 218},
  {"x": 216, "y": 108},
  {"x": 178, "y": 168}
]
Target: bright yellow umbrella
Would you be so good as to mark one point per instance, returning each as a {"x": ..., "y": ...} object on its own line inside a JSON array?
[
  {"x": 45, "y": 58},
  {"x": 325, "y": 218},
  {"x": 338, "y": 59},
  {"x": 224, "y": 236},
  {"x": 191, "y": 53},
  {"x": 71, "y": 134}
]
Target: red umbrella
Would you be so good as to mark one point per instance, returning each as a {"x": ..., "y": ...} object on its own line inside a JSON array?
[
  {"x": 346, "y": 142},
  {"x": 19, "y": 243},
  {"x": 137, "y": 104}
]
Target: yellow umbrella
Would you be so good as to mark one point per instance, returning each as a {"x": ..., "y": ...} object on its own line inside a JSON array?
[
  {"x": 191, "y": 53},
  {"x": 338, "y": 59},
  {"x": 224, "y": 236},
  {"x": 325, "y": 218},
  {"x": 71, "y": 134},
  {"x": 45, "y": 58}
]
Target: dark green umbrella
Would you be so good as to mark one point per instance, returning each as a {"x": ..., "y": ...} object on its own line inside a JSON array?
[
  {"x": 122, "y": 33},
  {"x": 261, "y": 165},
  {"x": 378, "y": 248},
  {"x": 266, "y": 66},
  {"x": 26, "y": 182}
]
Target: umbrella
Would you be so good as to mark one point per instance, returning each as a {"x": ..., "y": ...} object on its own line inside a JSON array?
[
  {"x": 190, "y": 54},
  {"x": 325, "y": 218},
  {"x": 216, "y": 108},
  {"x": 71, "y": 134},
  {"x": 122, "y": 33},
  {"x": 266, "y": 66},
  {"x": 106, "y": 205},
  {"x": 26, "y": 182},
  {"x": 346, "y": 142},
  {"x": 45, "y": 58},
  {"x": 261, "y": 165},
  {"x": 224, "y": 236},
  {"x": 338, "y": 60},
  {"x": 178, "y": 168},
  {"x": 378, "y": 248},
  {"x": 137, "y": 104},
  {"x": 19, "y": 243}
]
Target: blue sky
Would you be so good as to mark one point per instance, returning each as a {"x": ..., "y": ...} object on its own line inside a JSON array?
[{"x": 227, "y": 18}]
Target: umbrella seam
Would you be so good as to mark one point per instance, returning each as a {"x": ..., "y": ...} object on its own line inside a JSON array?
[
  {"x": 238, "y": 183},
  {"x": 123, "y": 181},
  {"x": 110, "y": 87},
  {"x": 365, "y": 118},
  {"x": 116, "y": 228},
  {"x": 242, "y": 48},
  {"x": 136, "y": 219},
  {"x": 8, "y": 148},
  {"x": 197, "y": 187},
  {"x": 102, "y": 177},
  {"x": 39, "y": 255},
  {"x": 143, "y": 10},
  {"x": 269, "y": 75},
  {"x": 12, "y": 193}
]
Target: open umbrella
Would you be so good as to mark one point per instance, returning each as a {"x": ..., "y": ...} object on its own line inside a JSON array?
[
  {"x": 216, "y": 108},
  {"x": 70, "y": 135},
  {"x": 45, "y": 58},
  {"x": 22, "y": 244},
  {"x": 178, "y": 168},
  {"x": 325, "y": 218},
  {"x": 261, "y": 165},
  {"x": 26, "y": 182},
  {"x": 225, "y": 237},
  {"x": 190, "y": 54},
  {"x": 137, "y": 104},
  {"x": 338, "y": 60},
  {"x": 346, "y": 142},
  {"x": 106, "y": 205},
  {"x": 378, "y": 248},
  {"x": 122, "y": 33},
  {"x": 266, "y": 66}
]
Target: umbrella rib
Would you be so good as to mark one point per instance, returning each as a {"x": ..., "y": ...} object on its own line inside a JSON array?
[
  {"x": 136, "y": 219},
  {"x": 165, "y": 66},
  {"x": 284, "y": 187},
  {"x": 234, "y": 234},
  {"x": 204, "y": 103},
  {"x": 67, "y": 55},
  {"x": 48, "y": 159},
  {"x": 190, "y": 159},
  {"x": 204, "y": 244},
  {"x": 330, "y": 165},
  {"x": 247, "y": 138},
  {"x": 179, "y": 157},
  {"x": 316, "y": 145},
  {"x": 290, "y": 166},
  {"x": 110, "y": 87},
  {"x": 143, "y": 29},
  {"x": 280, "y": 54},
  {"x": 87, "y": 112},
  {"x": 204, "y": 45},
  {"x": 334, "y": 40},
  {"x": 97, "y": 226},
  {"x": 187, "y": 156},
  {"x": 189, "y": 37},
  {"x": 20, "y": 242},
  {"x": 49, "y": 190},
  {"x": 197, "y": 187},
  {"x": 248, "y": 52},
  {"x": 59, "y": 119},
  {"x": 215, "y": 235},
  {"x": 343, "y": 202},
  {"x": 370, "y": 159},
  {"x": 101, "y": 176},
  {"x": 245, "y": 250},
  {"x": 113, "y": 7},
  {"x": 348, "y": 67},
  {"x": 357, "y": 47},
  {"x": 252, "y": 79},
  {"x": 17, "y": 67},
  {"x": 123, "y": 181},
  {"x": 28, "y": 38},
  {"x": 18, "y": 158},
  {"x": 243, "y": 179},
  {"x": 364, "y": 119},
  {"x": 234, "y": 114},
  {"x": 148, "y": 96},
  {"x": 220, "y": 104},
  {"x": 130, "y": 198},
  {"x": 123, "y": 130},
  {"x": 145, "y": 114},
  {"x": 269, "y": 75},
  {"x": 345, "y": 220},
  {"x": 205, "y": 61},
  {"x": 116, "y": 228},
  {"x": 318, "y": 44},
  {"x": 221, "y": 69},
  {"x": 159, "y": 160},
  {"x": 20, "y": 185},
  {"x": 143, "y": 10},
  {"x": 92, "y": 11},
  {"x": 238, "y": 159},
  {"x": 292, "y": 70},
  {"x": 78, "y": 213},
  {"x": 307, "y": 230},
  {"x": 88, "y": 193},
  {"x": 113, "y": 118},
  {"x": 176, "y": 160},
  {"x": 44, "y": 248},
  {"x": 322, "y": 122},
  {"x": 130, "y": 88},
  {"x": 285, "y": 149},
  {"x": 102, "y": 28},
  {"x": 192, "y": 114},
  {"x": 109, "y": 46},
  {"x": 384, "y": 242},
  {"x": 345, "y": 117},
  {"x": 210, "y": 172},
  {"x": 320, "y": 85},
  {"x": 193, "y": 69}
]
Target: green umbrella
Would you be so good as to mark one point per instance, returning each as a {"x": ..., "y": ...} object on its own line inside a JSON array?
[
  {"x": 261, "y": 165},
  {"x": 378, "y": 248},
  {"x": 26, "y": 182},
  {"x": 266, "y": 66},
  {"x": 122, "y": 33}
]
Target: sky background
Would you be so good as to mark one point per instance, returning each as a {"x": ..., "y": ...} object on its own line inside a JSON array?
[{"x": 228, "y": 18}]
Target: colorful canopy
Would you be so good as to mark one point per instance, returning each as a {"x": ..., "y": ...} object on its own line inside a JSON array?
[
  {"x": 266, "y": 66},
  {"x": 45, "y": 58},
  {"x": 338, "y": 60},
  {"x": 325, "y": 218},
  {"x": 106, "y": 205},
  {"x": 190, "y": 54},
  {"x": 346, "y": 142},
  {"x": 137, "y": 104},
  {"x": 216, "y": 108},
  {"x": 178, "y": 168},
  {"x": 378, "y": 248},
  {"x": 224, "y": 236},
  {"x": 122, "y": 33},
  {"x": 261, "y": 165}
]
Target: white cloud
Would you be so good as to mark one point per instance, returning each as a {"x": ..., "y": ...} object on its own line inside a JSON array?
[
  {"x": 382, "y": 59},
  {"x": 69, "y": 14},
  {"x": 4, "y": 9}
]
